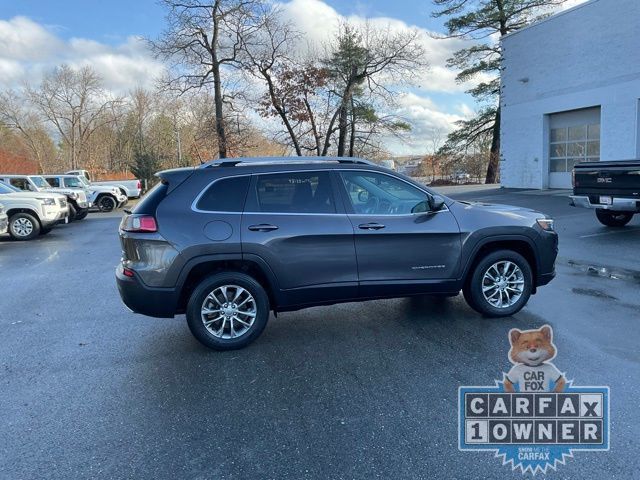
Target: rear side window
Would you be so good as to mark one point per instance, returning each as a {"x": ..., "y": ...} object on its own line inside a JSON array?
[
  {"x": 225, "y": 195},
  {"x": 299, "y": 192},
  {"x": 151, "y": 200},
  {"x": 53, "y": 181}
]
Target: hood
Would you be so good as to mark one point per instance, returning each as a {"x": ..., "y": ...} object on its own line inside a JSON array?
[
  {"x": 473, "y": 215},
  {"x": 498, "y": 207},
  {"x": 65, "y": 191},
  {"x": 104, "y": 188}
]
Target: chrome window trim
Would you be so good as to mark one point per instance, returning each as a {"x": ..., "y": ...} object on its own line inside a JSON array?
[{"x": 218, "y": 212}]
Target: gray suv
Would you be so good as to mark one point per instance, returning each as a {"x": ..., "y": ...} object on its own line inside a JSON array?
[{"x": 234, "y": 239}]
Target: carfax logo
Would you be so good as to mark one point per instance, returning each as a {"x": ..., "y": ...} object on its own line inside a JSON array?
[{"x": 534, "y": 418}]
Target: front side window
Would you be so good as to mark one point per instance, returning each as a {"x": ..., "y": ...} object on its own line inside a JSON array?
[
  {"x": 72, "y": 182},
  {"x": 298, "y": 192},
  {"x": 225, "y": 195},
  {"x": 373, "y": 193},
  {"x": 21, "y": 183}
]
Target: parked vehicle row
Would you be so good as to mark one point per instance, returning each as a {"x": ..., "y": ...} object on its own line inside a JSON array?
[
  {"x": 104, "y": 197},
  {"x": 130, "y": 188},
  {"x": 34, "y": 204}
]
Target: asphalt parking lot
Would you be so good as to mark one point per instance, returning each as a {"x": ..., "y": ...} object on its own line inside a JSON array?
[{"x": 90, "y": 390}]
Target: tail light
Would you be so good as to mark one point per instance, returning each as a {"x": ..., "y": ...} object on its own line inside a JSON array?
[
  {"x": 139, "y": 185},
  {"x": 139, "y": 223}
]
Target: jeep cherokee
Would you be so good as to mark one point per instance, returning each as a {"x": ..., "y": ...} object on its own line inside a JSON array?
[{"x": 234, "y": 239}]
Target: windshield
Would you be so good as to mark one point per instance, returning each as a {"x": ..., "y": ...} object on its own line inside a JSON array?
[
  {"x": 40, "y": 182},
  {"x": 83, "y": 180},
  {"x": 5, "y": 188}
]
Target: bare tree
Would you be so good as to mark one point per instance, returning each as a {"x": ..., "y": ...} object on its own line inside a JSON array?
[
  {"x": 76, "y": 104},
  {"x": 16, "y": 114},
  {"x": 204, "y": 39}
]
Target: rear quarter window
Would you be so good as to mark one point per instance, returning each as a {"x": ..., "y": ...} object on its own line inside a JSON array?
[{"x": 225, "y": 195}]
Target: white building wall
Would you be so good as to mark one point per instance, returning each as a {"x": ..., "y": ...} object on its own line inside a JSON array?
[{"x": 585, "y": 57}]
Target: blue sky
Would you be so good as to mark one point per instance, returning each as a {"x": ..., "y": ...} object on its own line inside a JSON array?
[
  {"x": 37, "y": 35},
  {"x": 113, "y": 20}
]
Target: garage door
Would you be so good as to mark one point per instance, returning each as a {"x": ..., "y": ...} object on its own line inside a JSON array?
[{"x": 573, "y": 137}]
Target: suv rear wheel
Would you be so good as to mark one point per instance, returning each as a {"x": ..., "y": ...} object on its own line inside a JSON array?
[
  {"x": 613, "y": 219},
  {"x": 500, "y": 284},
  {"x": 228, "y": 311}
]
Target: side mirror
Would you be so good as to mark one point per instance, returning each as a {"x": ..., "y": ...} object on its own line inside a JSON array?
[{"x": 436, "y": 202}]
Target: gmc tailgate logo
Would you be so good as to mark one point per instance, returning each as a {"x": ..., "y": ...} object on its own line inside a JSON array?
[{"x": 604, "y": 180}]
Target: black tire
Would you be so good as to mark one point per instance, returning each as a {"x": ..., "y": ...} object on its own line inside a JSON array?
[
  {"x": 613, "y": 219},
  {"x": 82, "y": 214},
  {"x": 106, "y": 203},
  {"x": 24, "y": 226},
  {"x": 473, "y": 289},
  {"x": 72, "y": 213},
  {"x": 197, "y": 302}
]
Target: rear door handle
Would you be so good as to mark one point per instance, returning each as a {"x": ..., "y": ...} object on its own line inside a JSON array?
[
  {"x": 370, "y": 226},
  {"x": 263, "y": 227}
]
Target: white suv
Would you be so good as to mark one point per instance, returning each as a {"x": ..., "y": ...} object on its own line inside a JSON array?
[
  {"x": 76, "y": 197},
  {"x": 32, "y": 213}
]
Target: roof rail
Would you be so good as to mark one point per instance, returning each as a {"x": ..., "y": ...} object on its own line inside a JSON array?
[{"x": 232, "y": 162}]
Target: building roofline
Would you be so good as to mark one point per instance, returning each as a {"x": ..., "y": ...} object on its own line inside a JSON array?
[{"x": 551, "y": 18}]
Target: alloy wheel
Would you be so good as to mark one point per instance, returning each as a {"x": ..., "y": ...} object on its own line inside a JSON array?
[
  {"x": 228, "y": 312},
  {"x": 503, "y": 284},
  {"x": 22, "y": 227}
]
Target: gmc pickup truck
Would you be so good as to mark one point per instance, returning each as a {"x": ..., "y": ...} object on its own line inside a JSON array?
[{"x": 611, "y": 188}]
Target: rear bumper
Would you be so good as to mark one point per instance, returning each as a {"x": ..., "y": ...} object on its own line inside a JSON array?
[
  {"x": 153, "y": 302},
  {"x": 617, "y": 204}
]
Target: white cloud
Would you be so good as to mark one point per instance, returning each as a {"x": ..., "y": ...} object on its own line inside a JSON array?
[
  {"x": 28, "y": 49},
  {"x": 318, "y": 21}
]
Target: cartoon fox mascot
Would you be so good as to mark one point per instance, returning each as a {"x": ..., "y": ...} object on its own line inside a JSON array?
[{"x": 531, "y": 352}]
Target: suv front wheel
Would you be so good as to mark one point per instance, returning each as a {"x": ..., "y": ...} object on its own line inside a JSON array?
[
  {"x": 228, "y": 311},
  {"x": 500, "y": 284}
]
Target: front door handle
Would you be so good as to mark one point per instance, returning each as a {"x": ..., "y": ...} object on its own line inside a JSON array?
[
  {"x": 263, "y": 227},
  {"x": 370, "y": 226}
]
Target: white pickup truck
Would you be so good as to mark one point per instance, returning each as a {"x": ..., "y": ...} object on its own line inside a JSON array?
[
  {"x": 130, "y": 188},
  {"x": 32, "y": 213}
]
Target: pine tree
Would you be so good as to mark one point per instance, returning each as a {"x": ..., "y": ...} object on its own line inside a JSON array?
[{"x": 482, "y": 21}]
